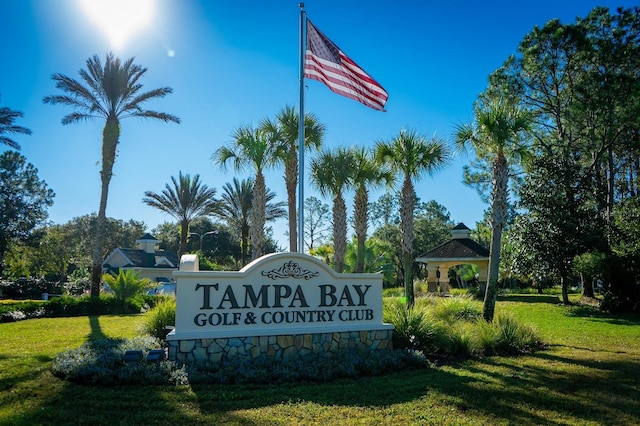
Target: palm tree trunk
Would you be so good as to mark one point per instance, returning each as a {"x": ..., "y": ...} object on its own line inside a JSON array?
[
  {"x": 184, "y": 233},
  {"x": 339, "y": 232},
  {"x": 291, "y": 182},
  {"x": 407, "y": 207},
  {"x": 244, "y": 244},
  {"x": 257, "y": 216},
  {"x": 360, "y": 218},
  {"x": 110, "y": 136},
  {"x": 499, "y": 210}
]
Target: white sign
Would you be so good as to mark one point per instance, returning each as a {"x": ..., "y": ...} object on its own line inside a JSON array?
[{"x": 281, "y": 293}]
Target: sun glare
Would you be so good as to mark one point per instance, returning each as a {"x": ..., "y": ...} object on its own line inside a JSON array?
[{"x": 119, "y": 19}]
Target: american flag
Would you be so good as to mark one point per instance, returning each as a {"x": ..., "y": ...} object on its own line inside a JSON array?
[{"x": 325, "y": 62}]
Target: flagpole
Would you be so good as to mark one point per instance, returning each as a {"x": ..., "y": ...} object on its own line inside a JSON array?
[{"x": 301, "y": 135}]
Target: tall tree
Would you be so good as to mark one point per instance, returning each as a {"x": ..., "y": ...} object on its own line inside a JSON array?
[
  {"x": 432, "y": 225},
  {"x": 557, "y": 224},
  {"x": 235, "y": 207},
  {"x": 331, "y": 173},
  {"x": 8, "y": 127},
  {"x": 285, "y": 130},
  {"x": 496, "y": 135},
  {"x": 111, "y": 92},
  {"x": 315, "y": 225},
  {"x": 24, "y": 199},
  {"x": 81, "y": 233},
  {"x": 410, "y": 155},
  {"x": 186, "y": 200},
  {"x": 251, "y": 148},
  {"x": 581, "y": 82},
  {"x": 367, "y": 173},
  {"x": 384, "y": 211}
]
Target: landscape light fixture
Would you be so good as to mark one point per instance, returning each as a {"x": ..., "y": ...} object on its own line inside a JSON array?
[
  {"x": 201, "y": 236},
  {"x": 132, "y": 356}
]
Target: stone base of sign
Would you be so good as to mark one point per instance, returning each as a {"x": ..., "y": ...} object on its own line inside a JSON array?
[{"x": 281, "y": 347}]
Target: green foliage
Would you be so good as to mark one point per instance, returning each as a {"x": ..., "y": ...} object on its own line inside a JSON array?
[
  {"x": 506, "y": 336},
  {"x": 234, "y": 210},
  {"x": 126, "y": 284},
  {"x": 101, "y": 362},
  {"x": 80, "y": 232},
  {"x": 55, "y": 250},
  {"x": 24, "y": 200},
  {"x": 78, "y": 282},
  {"x": 454, "y": 328},
  {"x": 414, "y": 328},
  {"x": 17, "y": 311},
  {"x": 7, "y": 126},
  {"x": 28, "y": 288},
  {"x": 67, "y": 306},
  {"x": 454, "y": 309},
  {"x": 160, "y": 317},
  {"x": 587, "y": 350},
  {"x": 316, "y": 223},
  {"x": 186, "y": 200},
  {"x": 376, "y": 260},
  {"x": 392, "y": 292}
]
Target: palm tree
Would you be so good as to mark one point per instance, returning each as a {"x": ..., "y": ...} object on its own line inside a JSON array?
[
  {"x": 110, "y": 92},
  {"x": 331, "y": 173},
  {"x": 251, "y": 148},
  {"x": 366, "y": 173},
  {"x": 285, "y": 130},
  {"x": 410, "y": 155},
  {"x": 235, "y": 205},
  {"x": 495, "y": 136},
  {"x": 7, "y": 126},
  {"x": 187, "y": 200}
]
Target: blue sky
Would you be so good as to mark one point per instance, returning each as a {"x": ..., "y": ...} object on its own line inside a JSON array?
[{"x": 235, "y": 63}]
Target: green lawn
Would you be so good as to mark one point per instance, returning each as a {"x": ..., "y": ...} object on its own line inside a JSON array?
[{"x": 588, "y": 375}]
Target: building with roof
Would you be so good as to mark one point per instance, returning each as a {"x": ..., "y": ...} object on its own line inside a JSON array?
[
  {"x": 460, "y": 250},
  {"x": 156, "y": 265}
]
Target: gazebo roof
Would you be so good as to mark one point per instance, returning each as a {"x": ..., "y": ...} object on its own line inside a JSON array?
[
  {"x": 458, "y": 248},
  {"x": 463, "y": 248}
]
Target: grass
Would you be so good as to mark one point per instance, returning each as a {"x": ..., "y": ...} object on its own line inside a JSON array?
[{"x": 589, "y": 375}]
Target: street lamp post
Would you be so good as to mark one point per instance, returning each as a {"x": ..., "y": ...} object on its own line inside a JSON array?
[{"x": 201, "y": 236}]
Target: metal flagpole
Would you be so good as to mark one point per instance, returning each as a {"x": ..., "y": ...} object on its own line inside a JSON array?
[{"x": 301, "y": 135}]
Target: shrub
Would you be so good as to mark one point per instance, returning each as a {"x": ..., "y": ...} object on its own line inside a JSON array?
[
  {"x": 160, "y": 317},
  {"x": 28, "y": 288},
  {"x": 453, "y": 327},
  {"x": 78, "y": 282},
  {"x": 16, "y": 311},
  {"x": 126, "y": 284},
  {"x": 506, "y": 336},
  {"x": 459, "y": 341},
  {"x": 101, "y": 362},
  {"x": 393, "y": 292},
  {"x": 454, "y": 309},
  {"x": 414, "y": 328}
]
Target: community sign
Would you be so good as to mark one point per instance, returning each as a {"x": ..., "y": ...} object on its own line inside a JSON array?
[{"x": 280, "y": 293}]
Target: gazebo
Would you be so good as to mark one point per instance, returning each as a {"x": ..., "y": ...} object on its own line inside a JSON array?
[{"x": 460, "y": 250}]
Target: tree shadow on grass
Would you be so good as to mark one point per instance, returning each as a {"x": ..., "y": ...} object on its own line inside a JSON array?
[
  {"x": 590, "y": 312},
  {"x": 518, "y": 390},
  {"x": 544, "y": 388},
  {"x": 542, "y": 298},
  {"x": 96, "y": 331}
]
